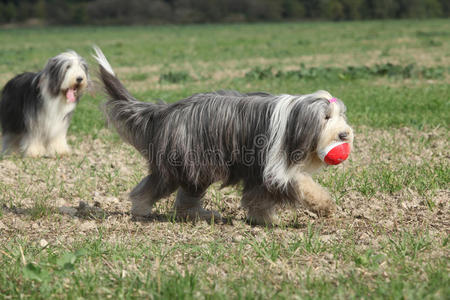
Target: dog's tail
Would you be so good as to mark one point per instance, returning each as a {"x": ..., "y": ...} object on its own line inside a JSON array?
[{"x": 133, "y": 119}]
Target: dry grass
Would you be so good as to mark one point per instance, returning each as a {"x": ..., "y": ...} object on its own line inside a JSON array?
[{"x": 104, "y": 170}]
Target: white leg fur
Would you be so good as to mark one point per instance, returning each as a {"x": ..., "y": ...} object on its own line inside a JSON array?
[
  {"x": 314, "y": 196},
  {"x": 32, "y": 145},
  {"x": 58, "y": 145}
]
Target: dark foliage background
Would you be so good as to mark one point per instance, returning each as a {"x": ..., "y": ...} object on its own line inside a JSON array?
[{"x": 211, "y": 11}]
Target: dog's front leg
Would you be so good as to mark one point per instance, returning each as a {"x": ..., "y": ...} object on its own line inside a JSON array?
[
  {"x": 314, "y": 196},
  {"x": 260, "y": 205},
  {"x": 32, "y": 145},
  {"x": 59, "y": 145},
  {"x": 189, "y": 206}
]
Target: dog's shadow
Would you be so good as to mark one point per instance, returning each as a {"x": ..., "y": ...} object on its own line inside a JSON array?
[
  {"x": 173, "y": 218},
  {"x": 95, "y": 212},
  {"x": 82, "y": 211},
  {"x": 88, "y": 212}
]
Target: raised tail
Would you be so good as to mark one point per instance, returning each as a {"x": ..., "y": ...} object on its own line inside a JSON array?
[
  {"x": 133, "y": 119},
  {"x": 115, "y": 89}
]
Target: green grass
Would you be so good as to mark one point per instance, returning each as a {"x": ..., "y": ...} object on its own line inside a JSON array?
[
  {"x": 93, "y": 268},
  {"x": 388, "y": 239},
  {"x": 174, "y": 77},
  {"x": 215, "y": 43}
]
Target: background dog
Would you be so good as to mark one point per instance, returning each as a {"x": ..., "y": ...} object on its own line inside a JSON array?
[
  {"x": 269, "y": 142},
  {"x": 36, "y": 108}
]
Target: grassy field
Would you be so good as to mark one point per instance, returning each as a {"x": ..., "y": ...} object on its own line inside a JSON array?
[{"x": 389, "y": 238}]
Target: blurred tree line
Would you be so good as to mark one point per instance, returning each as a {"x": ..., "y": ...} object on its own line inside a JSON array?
[{"x": 210, "y": 11}]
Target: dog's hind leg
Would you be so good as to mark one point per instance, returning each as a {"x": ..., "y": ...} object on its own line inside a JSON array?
[
  {"x": 188, "y": 205},
  {"x": 148, "y": 192},
  {"x": 260, "y": 205}
]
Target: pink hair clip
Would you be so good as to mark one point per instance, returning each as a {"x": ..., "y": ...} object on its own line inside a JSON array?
[{"x": 332, "y": 100}]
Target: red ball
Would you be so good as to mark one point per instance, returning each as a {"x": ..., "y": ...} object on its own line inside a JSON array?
[{"x": 335, "y": 153}]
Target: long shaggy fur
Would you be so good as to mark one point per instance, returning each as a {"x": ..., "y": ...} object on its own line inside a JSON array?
[
  {"x": 268, "y": 142},
  {"x": 34, "y": 109}
]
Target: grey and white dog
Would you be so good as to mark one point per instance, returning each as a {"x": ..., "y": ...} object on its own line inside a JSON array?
[
  {"x": 36, "y": 108},
  {"x": 267, "y": 142}
]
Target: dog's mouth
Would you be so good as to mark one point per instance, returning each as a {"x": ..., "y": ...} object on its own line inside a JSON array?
[{"x": 72, "y": 93}]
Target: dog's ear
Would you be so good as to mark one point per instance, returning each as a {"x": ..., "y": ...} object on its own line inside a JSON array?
[
  {"x": 55, "y": 74},
  {"x": 304, "y": 126}
]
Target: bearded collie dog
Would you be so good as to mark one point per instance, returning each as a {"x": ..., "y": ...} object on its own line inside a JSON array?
[
  {"x": 36, "y": 108},
  {"x": 269, "y": 143}
]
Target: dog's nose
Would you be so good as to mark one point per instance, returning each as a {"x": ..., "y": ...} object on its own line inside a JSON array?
[
  {"x": 79, "y": 79},
  {"x": 343, "y": 136}
]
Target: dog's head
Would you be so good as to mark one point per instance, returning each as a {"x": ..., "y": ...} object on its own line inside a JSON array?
[
  {"x": 335, "y": 127},
  {"x": 300, "y": 127},
  {"x": 67, "y": 75},
  {"x": 315, "y": 121}
]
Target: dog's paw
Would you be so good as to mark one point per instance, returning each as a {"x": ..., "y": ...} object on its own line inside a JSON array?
[
  {"x": 198, "y": 213},
  {"x": 59, "y": 148},
  {"x": 260, "y": 213},
  {"x": 267, "y": 221},
  {"x": 323, "y": 206},
  {"x": 62, "y": 152},
  {"x": 141, "y": 210},
  {"x": 35, "y": 150}
]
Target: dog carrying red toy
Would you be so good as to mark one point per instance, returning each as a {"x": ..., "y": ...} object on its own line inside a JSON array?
[
  {"x": 206, "y": 137},
  {"x": 335, "y": 153}
]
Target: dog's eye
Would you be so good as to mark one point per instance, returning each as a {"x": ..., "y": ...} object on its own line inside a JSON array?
[
  {"x": 327, "y": 117},
  {"x": 68, "y": 67}
]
